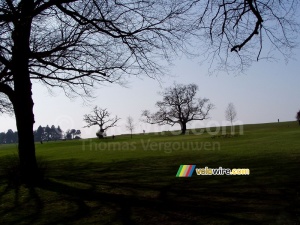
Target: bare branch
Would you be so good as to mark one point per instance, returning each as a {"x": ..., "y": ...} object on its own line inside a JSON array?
[{"x": 226, "y": 26}]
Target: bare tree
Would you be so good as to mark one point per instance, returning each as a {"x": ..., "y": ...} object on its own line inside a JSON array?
[
  {"x": 130, "y": 125},
  {"x": 251, "y": 29},
  {"x": 298, "y": 117},
  {"x": 179, "y": 106},
  {"x": 74, "y": 44},
  {"x": 230, "y": 114},
  {"x": 100, "y": 117}
]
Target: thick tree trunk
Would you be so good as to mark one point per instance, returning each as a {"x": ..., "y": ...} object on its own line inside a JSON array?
[
  {"x": 25, "y": 119},
  {"x": 23, "y": 107},
  {"x": 23, "y": 103},
  {"x": 100, "y": 134},
  {"x": 299, "y": 122},
  {"x": 183, "y": 128}
]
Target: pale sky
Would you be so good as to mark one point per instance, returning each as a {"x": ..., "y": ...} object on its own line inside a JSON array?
[{"x": 266, "y": 92}]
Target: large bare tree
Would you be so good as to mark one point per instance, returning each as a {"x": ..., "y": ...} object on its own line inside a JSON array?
[
  {"x": 102, "y": 118},
  {"x": 179, "y": 106},
  {"x": 73, "y": 44}
]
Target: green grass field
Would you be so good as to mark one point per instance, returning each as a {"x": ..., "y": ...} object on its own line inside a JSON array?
[{"x": 133, "y": 181}]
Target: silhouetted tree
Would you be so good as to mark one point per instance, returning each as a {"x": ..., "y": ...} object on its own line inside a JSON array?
[
  {"x": 73, "y": 44},
  {"x": 2, "y": 138},
  {"x": 55, "y": 133},
  {"x": 72, "y": 134},
  {"x": 16, "y": 138},
  {"x": 77, "y": 134},
  {"x": 47, "y": 133},
  {"x": 100, "y": 117},
  {"x": 59, "y": 132},
  {"x": 298, "y": 117},
  {"x": 52, "y": 133},
  {"x": 68, "y": 135},
  {"x": 9, "y": 136},
  {"x": 130, "y": 125},
  {"x": 39, "y": 134},
  {"x": 179, "y": 106}
]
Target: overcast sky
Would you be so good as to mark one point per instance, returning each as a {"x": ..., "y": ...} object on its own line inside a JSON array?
[{"x": 266, "y": 92}]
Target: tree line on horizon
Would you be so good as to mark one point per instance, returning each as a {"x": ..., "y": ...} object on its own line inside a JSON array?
[{"x": 42, "y": 134}]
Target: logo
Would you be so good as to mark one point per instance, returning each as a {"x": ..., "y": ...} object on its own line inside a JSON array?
[{"x": 185, "y": 170}]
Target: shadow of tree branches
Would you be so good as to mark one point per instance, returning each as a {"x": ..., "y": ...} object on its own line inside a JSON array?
[{"x": 139, "y": 192}]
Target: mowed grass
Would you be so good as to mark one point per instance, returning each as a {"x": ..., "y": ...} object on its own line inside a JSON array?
[{"x": 132, "y": 181}]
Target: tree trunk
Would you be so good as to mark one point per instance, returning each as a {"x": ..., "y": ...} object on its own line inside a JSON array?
[
  {"x": 23, "y": 103},
  {"x": 183, "y": 128},
  {"x": 299, "y": 122},
  {"x": 100, "y": 134},
  {"x": 25, "y": 119}
]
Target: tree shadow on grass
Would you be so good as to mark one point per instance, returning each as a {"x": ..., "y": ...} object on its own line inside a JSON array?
[
  {"x": 13, "y": 199},
  {"x": 139, "y": 192}
]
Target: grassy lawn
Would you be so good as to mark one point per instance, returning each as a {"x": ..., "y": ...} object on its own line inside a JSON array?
[{"x": 132, "y": 181}]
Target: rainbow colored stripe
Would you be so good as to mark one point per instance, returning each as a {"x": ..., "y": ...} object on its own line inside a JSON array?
[{"x": 185, "y": 170}]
